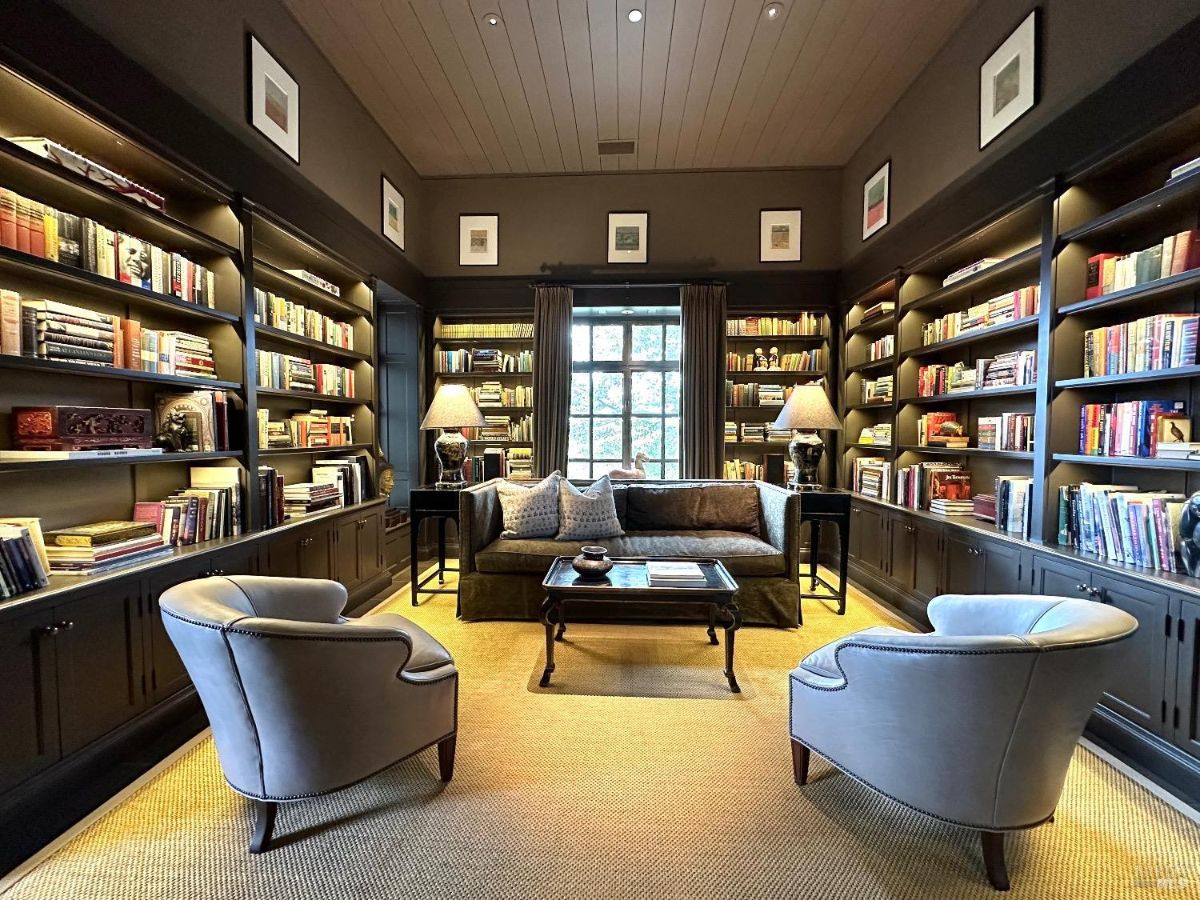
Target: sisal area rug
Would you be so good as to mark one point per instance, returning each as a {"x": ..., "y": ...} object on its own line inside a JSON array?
[{"x": 601, "y": 787}]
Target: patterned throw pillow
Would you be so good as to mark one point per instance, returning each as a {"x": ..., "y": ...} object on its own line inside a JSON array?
[
  {"x": 529, "y": 512},
  {"x": 587, "y": 515}
]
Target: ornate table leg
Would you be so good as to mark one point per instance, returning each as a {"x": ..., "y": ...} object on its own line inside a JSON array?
[
  {"x": 548, "y": 620},
  {"x": 712, "y": 624},
  {"x": 441, "y": 549},
  {"x": 735, "y": 622},
  {"x": 562, "y": 621}
]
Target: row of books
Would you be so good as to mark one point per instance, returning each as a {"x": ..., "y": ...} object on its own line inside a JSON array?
[
  {"x": 877, "y": 309},
  {"x": 24, "y": 565},
  {"x": 502, "y": 428},
  {"x": 754, "y": 394},
  {"x": 1176, "y": 253},
  {"x": 871, "y": 476},
  {"x": 335, "y": 482},
  {"x": 876, "y": 435},
  {"x": 1132, "y": 428},
  {"x": 996, "y": 311},
  {"x": 500, "y": 462},
  {"x": 210, "y": 508},
  {"x": 493, "y": 393},
  {"x": 756, "y": 433},
  {"x": 314, "y": 280},
  {"x": 1018, "y": 367},
  {"x": 40, "y": 230},
  {"x": 774, "y": 468},
  {"x": 806, "y": 323},
  {"x": 309, "y": 428},
  {"x": 64, "y": 332},
  {"x": 1164, "y": 341},
  {"x": 921, "y": 483},
  {"x": 448, "y": 362},
  {"x": 1007, "y": 431},
  {"x": 883, "y": 348},
  {"x": 295, "y": 318},
  {"x": 877, "y": 390},
  {"x": 802, "y": 361},
  {"x": 282, "y": 371},
  {"x": 466, "y": 330},
  {"x": 1122, "y": 524}
]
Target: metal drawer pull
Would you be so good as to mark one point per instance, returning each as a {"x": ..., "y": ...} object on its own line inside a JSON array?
[
  {"x": 64, "y": 626},
  {"x": 47, "y": 630}
]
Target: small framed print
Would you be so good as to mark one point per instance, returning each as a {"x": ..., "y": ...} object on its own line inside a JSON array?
[
  {"x": 478, "y": 237},
  {"x": 274, "y": 98},
  {"x": 1173, "y": 428},
  {"x": 628, "y": 234},
  {"x": 1008, "y": 81},
  {"x": 779, "y": 235},
  {"x": 393, "y": 213},
  {"x": 877, "y": 200}
]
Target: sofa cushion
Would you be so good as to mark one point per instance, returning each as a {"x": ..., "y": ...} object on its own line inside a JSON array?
[
  {"x": 741, "y": 553},
  {"x": 587, "y": 515},
  {"x": 529, "y": 512},
  {"x": 700, "y": 507},
  {"x": 822, "y": 661}
]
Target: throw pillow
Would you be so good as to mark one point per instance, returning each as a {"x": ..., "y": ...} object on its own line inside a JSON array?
[
  {"x": 587, "y": 515},
  {"x": 529, "y": 512}
]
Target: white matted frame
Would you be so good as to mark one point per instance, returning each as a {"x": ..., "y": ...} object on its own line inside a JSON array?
[
  {"x": 392, "y": 212},
  {"x": 478, "y": 239},
  {"x": 1008, "y": 81},
  {"x": 779, "y": 235},
  {"x": 628, "y": 237},
  {"x": 274, "y": 98},
  {"x": 877, "y": 200}
]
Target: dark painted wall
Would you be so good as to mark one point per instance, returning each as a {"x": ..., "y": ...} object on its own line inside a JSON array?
[{"x": 700, "y": 222}]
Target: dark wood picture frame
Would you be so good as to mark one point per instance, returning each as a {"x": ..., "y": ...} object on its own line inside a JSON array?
[{"x": 645, "y": 236}]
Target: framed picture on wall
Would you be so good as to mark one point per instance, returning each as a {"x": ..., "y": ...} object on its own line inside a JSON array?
[
  {"x": 393, "y": 213},
  {"x": 779, "y": 235},
  {"x": 274, "y": 98},
  {"x": 628, "y": 234},
  {"x": 877, "y": 200},
  {"x": 1008, "y": 81},
  {"x": 478, "y": 239}
]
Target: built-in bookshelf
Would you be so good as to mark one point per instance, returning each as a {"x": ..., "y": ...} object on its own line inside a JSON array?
[
  {"x": 868, "y": 383},
  {"x": 492, "y": 354},
  {"x": 164, "y": 322},
  {"x": 768, "y": 352}
]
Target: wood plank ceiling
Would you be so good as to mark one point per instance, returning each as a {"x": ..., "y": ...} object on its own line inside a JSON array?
[{"x": 697, "y": 84}]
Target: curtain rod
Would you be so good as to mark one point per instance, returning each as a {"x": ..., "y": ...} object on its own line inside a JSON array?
[{"x": 621, "y": 286}]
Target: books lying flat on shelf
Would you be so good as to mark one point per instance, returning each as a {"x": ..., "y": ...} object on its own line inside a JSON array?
[
  {"x": 1164, "y": 341},
  {"x": 875, "y": 310},
  {"x": 941, "y": 429},
  {"x": 502, "y": 428},
  {"x": 316, "y": 281},
  {"x": 1184, "y": 169},
  {"x": 997, "y": 311},
  {"x": 1129, "y": 429},
  {"x": 753, "y": 394},
  {"x": 283, "y": 314},
  {"x": 880, "y": 434},
  {"x": 952, "y": 507},
  {"x": 1109, "y": 272},
  {"x": 1178, "y": 450},
  {"x": 493, "y": 393},
  {"x": 972, "y": 269},
  {"x": 877, "y": 390},
  {"x": 467, "y": 330},
  {"x": 58, "y": 455},
  {"x": 97, "y": 534},
  {"x": 1122, "y": 524},
  {"x": 93, "y": 171},
  {"x": 96, "y": 560},
  {"x": 306, "y": 497},
  {"x": 803, "y": 324},
  {"x": 24, "y": 565},
  {"x": 674, "y": 574}
]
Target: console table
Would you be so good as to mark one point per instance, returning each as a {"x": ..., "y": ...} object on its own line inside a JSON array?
[
  {"x": 817, "y": 506},
  {"x": 430, "y": 503}
]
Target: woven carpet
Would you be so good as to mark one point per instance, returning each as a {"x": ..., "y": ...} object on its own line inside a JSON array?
[{"x": 566, "y": 793}]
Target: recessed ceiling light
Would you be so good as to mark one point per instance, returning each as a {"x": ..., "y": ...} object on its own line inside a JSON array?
[
  {"x": 491, "y": 19},
  {"x": 635, "y": 15},
  {"x": 774, "y": 10}
]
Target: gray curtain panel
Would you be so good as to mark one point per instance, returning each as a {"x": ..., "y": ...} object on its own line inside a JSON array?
[
  {"x": 551, "y": 376},
  {"x": 702, "y": 425}
]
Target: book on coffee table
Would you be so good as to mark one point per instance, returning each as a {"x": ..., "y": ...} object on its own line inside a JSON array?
[{"x": 674, "y": 574}]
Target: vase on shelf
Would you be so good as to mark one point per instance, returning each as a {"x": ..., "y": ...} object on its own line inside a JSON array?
[{"x": 592, "y": 563}]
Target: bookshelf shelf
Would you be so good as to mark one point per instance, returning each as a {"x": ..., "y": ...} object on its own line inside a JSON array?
[
  {"x": 775, "y": 338},
  {"x": 1159, "y": 289},
  {"x": 968, "y": 451},
  {"x": 1132, "y": 462},
  {"x": 858, "y": 445},
  {"x": 1156, "y": 204},
  {"x": 1026, "y": 260},
  {"x": 10, "y": 468},
  {"x": 296, "y": 340},
  {"x": 505, "y": 410},
  {"x": 85, "y": 371},
  {"x": 271, "y": 276},
  {"x": 982, "y": 393},
  {"x": 872, "y": 365},
  {"x": 872, "y": 326},
  {"x": 873, "y": 404},
  {"x": 773, "y": 375},
  {"x": 979, "y": 335},
  {"x": 483, "y": 376},
  {"x": 311, "y": 451},
  {"x": 310, "y": 395},
  {"x": 485, "y": 341},
  {"x": 1183, "y": 372}
]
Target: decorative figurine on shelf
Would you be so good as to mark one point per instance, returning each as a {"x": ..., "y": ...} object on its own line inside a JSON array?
[
  {"x": 1189, "y": 535},
  {"x": 387, "y": 477},
  {"x": 637, "y": 473},
  {"x": 773, "y": 362},
  {"x": 760, "y": 360},
  {"x": 174, "y": 434}
]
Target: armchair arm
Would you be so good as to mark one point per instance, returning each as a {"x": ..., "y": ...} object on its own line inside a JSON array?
[
  {"x": 781, "y": 524},
  {"x": 479, "y": 522}
]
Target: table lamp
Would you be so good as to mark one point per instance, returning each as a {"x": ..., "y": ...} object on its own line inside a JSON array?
[
  {"x": 807, "y": 408},
  {"x": 452, "y": 409}
]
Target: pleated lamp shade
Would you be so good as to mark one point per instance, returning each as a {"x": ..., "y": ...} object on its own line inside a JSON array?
[
  {"x": 808, "y": 407},
  {"x": 452, "y": 407}
]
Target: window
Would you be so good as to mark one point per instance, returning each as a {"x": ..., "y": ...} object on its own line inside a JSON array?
[{"x": 624, "y": 396}]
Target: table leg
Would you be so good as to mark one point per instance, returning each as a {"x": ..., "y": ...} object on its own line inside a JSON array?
[
  {"x": 548, "y": 621},
  {"x": 843, "y": 562},
  {"x": 414, "y": 527},
  {"x": 712, "y": 624},
  {"x": 814, "y": 551},
  {"x": 562, "y": 621},
  {"x": 441, "y": 549},
  {"x": 735, "y": 622}
]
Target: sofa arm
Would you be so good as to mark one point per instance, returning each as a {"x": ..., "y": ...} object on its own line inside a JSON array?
[
  {"x": 781, "y": 523},
  {"x": 479, "y": 522}
]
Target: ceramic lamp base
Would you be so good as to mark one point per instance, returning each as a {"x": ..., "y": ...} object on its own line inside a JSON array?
[
  {"x": 806, "y": 450},
  {"x": 451, "y": 452}
]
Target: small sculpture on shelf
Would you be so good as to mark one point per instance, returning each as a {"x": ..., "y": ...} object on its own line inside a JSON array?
[
  {"x": 174, "y": 433},
  {"x": 760, "y": 360},
  {"x": 637, "y": 473},
  {"x": 773, "y": 360},
  {"x": 1189, "y": 535}
]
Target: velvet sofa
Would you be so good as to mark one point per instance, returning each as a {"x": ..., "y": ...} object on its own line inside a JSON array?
[{"x": 752, "y": 527}]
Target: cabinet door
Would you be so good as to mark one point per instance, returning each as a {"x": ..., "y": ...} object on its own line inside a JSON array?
[
  {"x": 1059, "y": 578},
  {"x": 902, "y": 548},
  {"x": 927, "y": 563},
  {"x": 370, "y": 542},
  {"x": 236, "y": 561},
  {"x": 963, "y": 564},
  {"x": 1187, "y": 684},
  {"x": 872, "y": 538},
  {"x": 346, "y": 557},
  {"x": 29, "y": 739},
  {"x": 1138, "y": 687},
  {"x": 282, "y": 555},
  {"x": 316, "y": 553},
  {"x": 101, "y": 681},
  {"x": 1005, "y": 570},
  {"x": 855, "y": 541},
  {"x": 167, "y": 674}
]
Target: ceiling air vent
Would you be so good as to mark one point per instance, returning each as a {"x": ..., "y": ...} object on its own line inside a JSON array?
[{"x": 616, "y": 148}]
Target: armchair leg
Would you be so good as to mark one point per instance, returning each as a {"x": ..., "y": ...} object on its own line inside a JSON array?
[
  {"x": 264, "y": 825},
  {"x": 800, "y": 756},
  {"x": 446, "y": 757},
  {"x": 993, "y": 858}
]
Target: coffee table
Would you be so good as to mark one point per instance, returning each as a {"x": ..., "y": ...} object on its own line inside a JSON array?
[{"x": 628, "y": 581}]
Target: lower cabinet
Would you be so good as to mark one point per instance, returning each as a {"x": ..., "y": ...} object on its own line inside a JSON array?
[
  {"x": 972, "y": 564},
  {"x": 166, "y": 675},
  {"x": 902, "y": 551},
  {"x": 928, "y": 539},
  {"x": 1139, "y": 690},
  {"x": 29, "y": 738},
  {"x": 358, "y": 549},
  {"x": 868, "y": 536},
  {"x": 1186, "y": 717}
]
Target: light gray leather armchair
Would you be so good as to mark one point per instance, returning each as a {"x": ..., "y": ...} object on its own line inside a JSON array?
[
  {"x": 303, "y": 701},
  {"x": 974, "y": 724}
]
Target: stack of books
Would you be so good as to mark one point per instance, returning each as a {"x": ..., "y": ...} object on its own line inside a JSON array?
[
  {"x": 875, "y": 310},
  {"x": 493, "y": 393},
  {"x": 495, "y": 430},
  {"x": 348, "y": 473},
  {"x": 1176, "y": 253},
  {"x": 306, "y": 497},
  {"x": 731, "y": 432},
  {"x": 770, "y": 395},
  {"x": 103, "y": 546},
  {"x": 1122, "y": 524},
  {"x": 57, "y": 331},
  {"x": 972, "y": 269},
  {"x": 24, "y": 565},
  {"x": 877, "y": 390},
  {"x": 1016, "y": 367},
  {"x": 674, "y": 574},
  {"x": 880, "y": 434},
  {"x": 295, "y": 318},
  {"x": 946, "y": 507},
  {"x": 1164, "y": 341},
  {"x": 520, "y": 463},
  {"x": 316, "y": 281},
  {"x": 871, "y": 476}
]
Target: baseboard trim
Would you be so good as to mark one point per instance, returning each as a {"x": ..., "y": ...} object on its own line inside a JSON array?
[{"x": 1157, "y": 760}]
